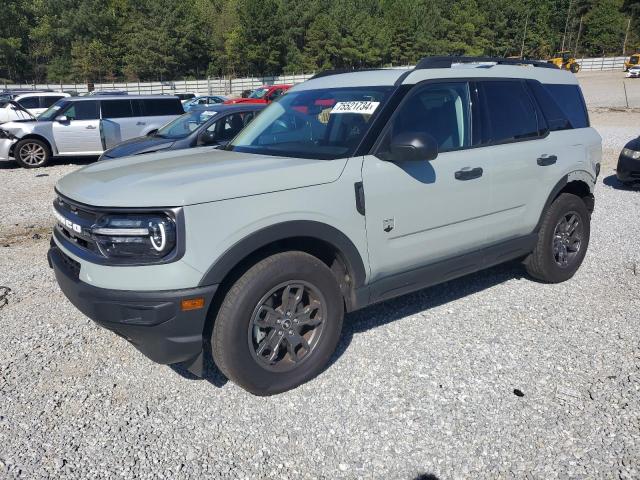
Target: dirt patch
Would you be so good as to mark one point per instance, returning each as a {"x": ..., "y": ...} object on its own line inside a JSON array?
[{"x": 17, "y": 235}]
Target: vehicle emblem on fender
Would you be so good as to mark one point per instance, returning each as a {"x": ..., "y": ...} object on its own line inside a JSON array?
[{"x": 388, "y": 224}]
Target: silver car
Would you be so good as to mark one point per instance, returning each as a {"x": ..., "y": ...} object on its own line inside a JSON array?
[{"x": 84, "y": 126}]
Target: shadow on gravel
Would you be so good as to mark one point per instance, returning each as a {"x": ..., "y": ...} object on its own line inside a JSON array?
[
  {"x": 211, "y": 372},
  {"x": 426, "y": 476},
  {"x": 386, "y": 312},
  {"x": 79, "y": 161},
  {"x": 613, "y": 182}
]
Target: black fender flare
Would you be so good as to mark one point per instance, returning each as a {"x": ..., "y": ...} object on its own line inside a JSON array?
[
  {"x": 562, "y": 183},
  {"x": 282, "y": 231}
]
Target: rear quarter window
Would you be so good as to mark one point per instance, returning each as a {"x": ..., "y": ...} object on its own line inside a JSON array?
[
  {"x": 162, "y": 106},
  {"x": 570, "y": 100},
  {"x": 554, "y": 115}
]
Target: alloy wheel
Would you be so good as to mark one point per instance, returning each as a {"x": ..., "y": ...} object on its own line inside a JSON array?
[
  {"x": 286, "y": 325},
  {"x": 32, "y": 154},
  {"x": 567, "y": 239}
]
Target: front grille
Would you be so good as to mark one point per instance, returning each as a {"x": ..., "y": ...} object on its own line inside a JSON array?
[{"x": 82, "y": 219}]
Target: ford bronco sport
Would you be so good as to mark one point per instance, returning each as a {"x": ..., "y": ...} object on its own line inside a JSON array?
[{"x": 351, "y": 189}]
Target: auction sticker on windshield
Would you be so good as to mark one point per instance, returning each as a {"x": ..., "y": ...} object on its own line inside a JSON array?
[{"x": 365, "y": 108}]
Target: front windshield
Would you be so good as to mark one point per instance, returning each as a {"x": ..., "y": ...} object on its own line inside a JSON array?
[
  {"x": 52, "y": 112},
  {"x": 259, "y": 93},
  {"x": 320, "y": 124},
  {"x": 182, "y": 126},
  {"x": 633, "y": 60}
]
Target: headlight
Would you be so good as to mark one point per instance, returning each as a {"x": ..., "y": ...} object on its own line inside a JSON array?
[
  {"x": 139, "y": 237},
  {"x": 627, "y": 152}
]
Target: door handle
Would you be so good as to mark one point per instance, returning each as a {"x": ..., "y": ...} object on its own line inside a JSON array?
[
  {"x": 141, "y": 123},
  {"x": 90, "y": 127},
  {"x": 546, "y": 160},
  {"x": 468, "y": 173}
]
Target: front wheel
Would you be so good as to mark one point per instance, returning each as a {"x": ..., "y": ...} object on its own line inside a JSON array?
[
  {"x": 562, "y": 240},
  {"x": 32, "y": 153},
  {"x": 279, "y": 323}
]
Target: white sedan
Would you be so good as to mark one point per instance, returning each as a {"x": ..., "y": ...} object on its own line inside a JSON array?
[{"x": 634, "y": 72}]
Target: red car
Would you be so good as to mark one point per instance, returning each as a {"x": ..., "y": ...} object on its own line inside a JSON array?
[{"x": 264, "y": 94}]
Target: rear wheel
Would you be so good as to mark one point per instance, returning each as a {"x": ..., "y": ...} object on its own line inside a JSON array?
[
  {"x": 32, "y": 153},
  {"x": 279, "y": 323},
  {"x": 562, "y": 241},
  {"x": 575, "y": 67}
]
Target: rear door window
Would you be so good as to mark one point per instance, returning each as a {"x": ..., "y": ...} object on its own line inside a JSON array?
[
  {"x": 162, "y": 106},
  {"x": 570, "y": 100},
  {"x": 116, "y": 109},
  {"x": 83, "y": 110},
  {"x": 508, "y": 111}
]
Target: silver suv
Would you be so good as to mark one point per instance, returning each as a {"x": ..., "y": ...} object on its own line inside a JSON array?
[
  {"x": 79, "y": 126},
  {"x": 351, "y": 189}
]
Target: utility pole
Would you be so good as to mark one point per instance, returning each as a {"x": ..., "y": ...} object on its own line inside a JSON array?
[
  {"x": 524, "y": 35},
  {"x": 575, "y": 52},
  {"x": 566, "y": 24},
  {"x": 626, "y": 37}
]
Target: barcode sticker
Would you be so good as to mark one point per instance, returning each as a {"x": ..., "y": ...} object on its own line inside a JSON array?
[{"x": 364, "y": 108}]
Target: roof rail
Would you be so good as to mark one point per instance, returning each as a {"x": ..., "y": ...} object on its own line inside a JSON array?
[
  {"x": 447, "y": 61},
  {"x": 338, "y": 71}
]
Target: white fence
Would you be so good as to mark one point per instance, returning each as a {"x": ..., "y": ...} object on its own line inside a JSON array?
[
  {"x": 235, "y": 86},
  {"x": 209, "y": 86},
  {"x": 602, "y": 63}
]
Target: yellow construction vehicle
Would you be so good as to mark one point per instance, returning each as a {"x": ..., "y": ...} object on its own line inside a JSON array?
[
  {"x": 632, "y": 62},
  {"x": 565, "y": 61}
]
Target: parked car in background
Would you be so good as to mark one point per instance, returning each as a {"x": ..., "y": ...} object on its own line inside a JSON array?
[
  {"x": 628, "y": 169},
  {"x": 185, "y": 97},
  {"x": 205, "y": 126},
  {"x": 34, "y": 103},
  {"x": 633, "y": 72},
  {"x": 204, "y": 100},
  {"x": 78, "y": 126},
  {"x": 265, "y": 94}
]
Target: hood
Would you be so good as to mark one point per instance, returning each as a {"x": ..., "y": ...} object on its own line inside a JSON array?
[
  {"x": 138, "y": 145},
  {"x": 19, "y": 128},
  {"x": 633, "y": 144},
  {"x": 187, "y": 177}
]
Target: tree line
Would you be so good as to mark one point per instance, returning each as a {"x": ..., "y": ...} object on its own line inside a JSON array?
[{"x": 90, "y": 40}]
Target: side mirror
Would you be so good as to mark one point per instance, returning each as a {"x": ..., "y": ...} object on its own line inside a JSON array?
[
  {"x": 207, "y": 138},
  {"x": 412, "y": 147},
  {"x": 62, "y": 119}
]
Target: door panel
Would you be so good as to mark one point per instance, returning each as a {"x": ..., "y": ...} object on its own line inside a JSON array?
[
  {"x": 78, "y": 137},
  {"x": 421, "y": 212},
  {"x": 80, "y": 134},
  {"x": 418, "y": 213}
]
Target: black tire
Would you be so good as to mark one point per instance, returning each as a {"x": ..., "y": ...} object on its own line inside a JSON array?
[
  {"x": 543, "y": 264},
  {"x": 236, "y": 349},
  {"x": 575, "y": 68},
  {"x": 32, "y": 153}
]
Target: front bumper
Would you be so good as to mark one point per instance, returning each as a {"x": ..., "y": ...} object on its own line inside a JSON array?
[
  {"x": 152, "y": 321},
  {"x": 628, "y": 169},
  {"x": 5, "y": 148}
]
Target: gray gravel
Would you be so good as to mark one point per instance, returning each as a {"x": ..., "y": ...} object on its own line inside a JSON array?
[{"x": 423, "y": 384}]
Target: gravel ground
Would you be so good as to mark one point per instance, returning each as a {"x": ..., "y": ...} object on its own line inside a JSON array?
[{"x": 490, "y": 376}]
